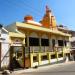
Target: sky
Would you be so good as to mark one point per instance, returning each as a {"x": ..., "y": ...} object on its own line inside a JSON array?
[{"x": 15, "y": 10}]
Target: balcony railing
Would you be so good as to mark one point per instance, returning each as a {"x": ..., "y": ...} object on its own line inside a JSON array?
[
  {"x": 36, "y": 49},
  {"x": 59, "y": 48}
]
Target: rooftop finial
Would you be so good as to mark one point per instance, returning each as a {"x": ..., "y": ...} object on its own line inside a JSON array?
[{"x": 47, "y": 9}]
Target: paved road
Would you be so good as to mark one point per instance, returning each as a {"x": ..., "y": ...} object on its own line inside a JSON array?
[{"x": 58, "y": 69}]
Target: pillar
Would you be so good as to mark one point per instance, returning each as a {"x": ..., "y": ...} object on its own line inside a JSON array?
[
  {"x": 40, "y": 44},
  {"x": 57, "y": 56},
  {"x": 28, "y": 60},
  {"x": 31, "y": 59},
  {"x": 49, "y": 57},
  {"x": 24, "y": 56},
  {"x": 28, "y": 44},
  {"x": 39, "y": 58},
  {"x": 49, "y": 43},
  {"x": 63, "y": 51},
  {"x": 56, "y": 52}
]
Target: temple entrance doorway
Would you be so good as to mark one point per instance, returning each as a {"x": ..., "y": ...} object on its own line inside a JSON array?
[{"x": 16, "y": 57}]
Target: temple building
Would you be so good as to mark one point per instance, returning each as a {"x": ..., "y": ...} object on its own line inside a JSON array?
[{"x": 38, "y": 43}]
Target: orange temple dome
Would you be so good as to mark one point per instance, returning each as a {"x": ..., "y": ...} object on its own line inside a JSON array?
[{"x": 28, "y": 17}]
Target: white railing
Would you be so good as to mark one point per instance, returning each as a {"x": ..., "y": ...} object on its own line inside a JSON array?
[
  {"x": 32, "y": 49},
  {"x": 59, "y": 49},
  {"x": 44, "y": 48},
  {"x": 36, "y": 49}
]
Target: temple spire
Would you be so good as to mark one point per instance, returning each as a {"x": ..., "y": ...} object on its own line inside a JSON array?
[
  {"x": 48, "y": 20},
  {"x": 47, "y": 9}
]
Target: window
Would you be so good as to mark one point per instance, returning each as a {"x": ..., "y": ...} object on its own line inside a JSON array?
[
  {"x": 60, "y": 43},
  {"x": 44, "y": 42},
  {"x": 33, "y": 41},
  {"x": 44, "y": 57}
]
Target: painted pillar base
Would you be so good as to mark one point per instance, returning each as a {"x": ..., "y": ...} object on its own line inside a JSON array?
[
  {"x": 49, "y": 57},
  {"x": 57, "y": 56},
  {"x": 63, "y": 52},
  {"x": 39, "y": 58},
  {"x": 31, "y": 59}
]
